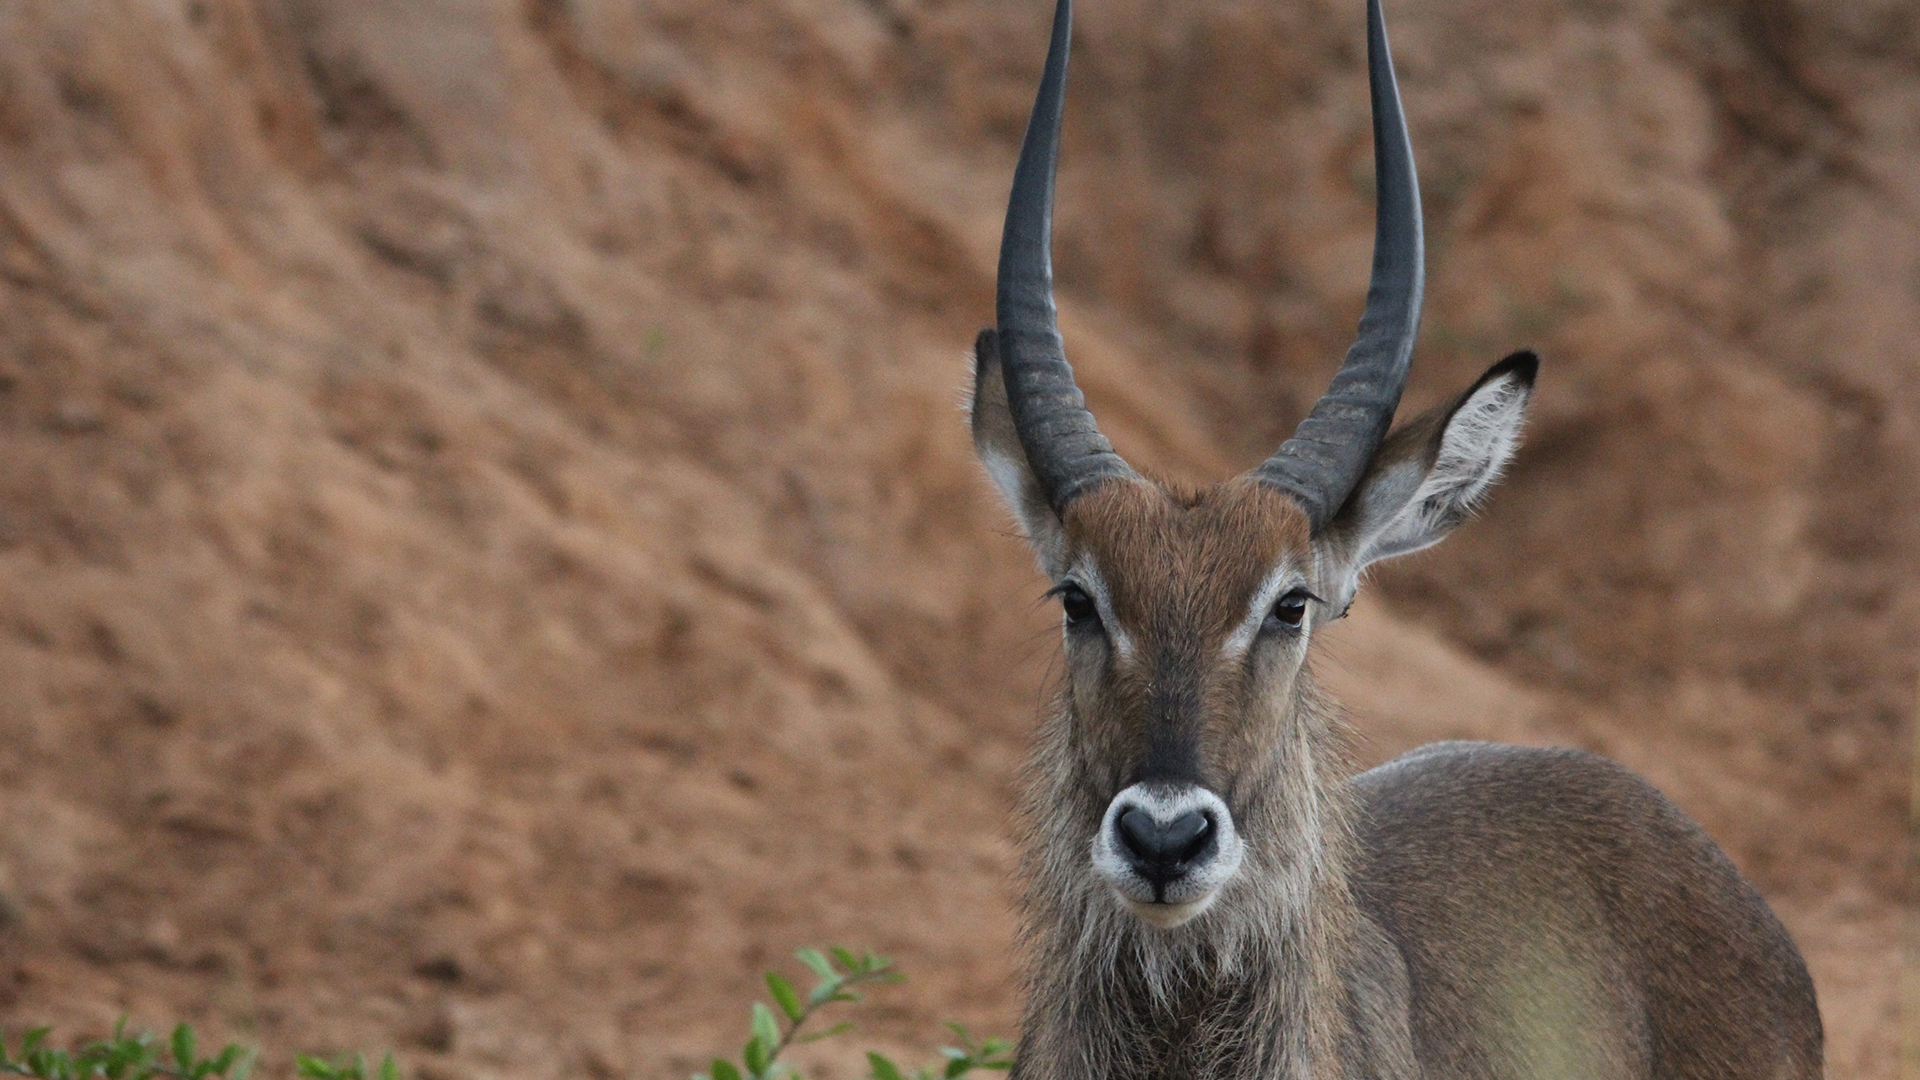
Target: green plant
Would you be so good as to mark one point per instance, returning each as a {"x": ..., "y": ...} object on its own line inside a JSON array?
[
  {"x": 140, "y": 1057},
  {"x": 960, "y": 1060},
  {"x": 125, "y": 1057},
  {"x": 353, "y": 1068},
  {"x": 839, "y": 975}
]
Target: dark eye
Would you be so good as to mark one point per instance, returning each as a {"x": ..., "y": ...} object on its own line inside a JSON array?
[
  {"x": 1288, "y": 612},
  {"x": 1078, "y": 605}
]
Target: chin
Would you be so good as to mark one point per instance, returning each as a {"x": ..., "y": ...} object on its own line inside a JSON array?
[{"x": 1166, "y": 916}]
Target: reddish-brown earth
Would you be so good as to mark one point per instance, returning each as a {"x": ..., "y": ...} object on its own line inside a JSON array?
[{"x": 490, "y": 559}]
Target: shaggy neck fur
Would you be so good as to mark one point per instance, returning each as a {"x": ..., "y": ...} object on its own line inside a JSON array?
[{"x": 1249, "y": 989}]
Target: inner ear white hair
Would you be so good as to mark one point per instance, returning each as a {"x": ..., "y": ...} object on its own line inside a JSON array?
[
  {"x": 997, "y": 444},
  {"x": 1429, "y": 475}
]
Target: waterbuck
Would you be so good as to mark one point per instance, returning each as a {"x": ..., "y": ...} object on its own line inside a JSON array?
[{"x": 1209, "y": 893}]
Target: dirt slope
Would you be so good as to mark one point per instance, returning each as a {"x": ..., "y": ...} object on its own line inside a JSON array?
[{"x": 489, "y": 556}]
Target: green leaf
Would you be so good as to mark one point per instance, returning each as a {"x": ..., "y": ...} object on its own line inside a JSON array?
[
  {"x": 785, "y": 996},
  {"x": 840, "y": 1028},
  {"x": 959, "y": 1066},
  {"x": 389, "y": 1069},
  {"x": 882, "y": 1068},
  {"x": 34, "y": 1039},
  {"x": 724, "y": 1070},
  {"x": 47, "y": 1063},
  {"x": 757, "y": 1055},
  {"x": 820, "y": 964},
  {"x": 848, "y": 960},
  {"x": 183, "y": 1047},
  {"x": 764, "y": 1028}
]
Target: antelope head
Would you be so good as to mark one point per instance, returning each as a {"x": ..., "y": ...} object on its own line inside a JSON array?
[{"x": 1185, "y": 751}]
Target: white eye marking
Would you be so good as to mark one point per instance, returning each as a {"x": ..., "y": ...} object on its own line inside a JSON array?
[
  {"x": 1089, "y": 578},
  {"x": 1281, "y": 579}
]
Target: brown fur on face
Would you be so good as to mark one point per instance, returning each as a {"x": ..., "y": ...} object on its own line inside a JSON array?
[
  {"x": 1156, "y": 693},
  {"x": 1242, "y": 990}
]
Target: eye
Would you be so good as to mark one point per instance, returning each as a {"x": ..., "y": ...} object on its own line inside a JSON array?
[
  {"x": 1077, "y": 605},
  {"x": 1288, "y": 612}
]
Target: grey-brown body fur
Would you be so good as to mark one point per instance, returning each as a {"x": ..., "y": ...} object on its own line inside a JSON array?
[
  {"x": 1557, "y": 916},
  {"x": 1470, "y": 910}
]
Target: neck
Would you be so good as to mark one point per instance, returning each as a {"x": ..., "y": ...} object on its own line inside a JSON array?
[{"x": 1248, "y": 989}]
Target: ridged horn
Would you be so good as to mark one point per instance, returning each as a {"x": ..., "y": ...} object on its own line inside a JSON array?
[
  {"x": 1064, "y": 447},
  {"x": 1330, "y": 449}
]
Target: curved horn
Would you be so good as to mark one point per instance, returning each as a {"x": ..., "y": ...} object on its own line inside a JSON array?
[
  {"x": 1330, "y": 449},
  {"x": 1067, "y": 452}
]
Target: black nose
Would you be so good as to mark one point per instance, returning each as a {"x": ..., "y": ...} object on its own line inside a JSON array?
[{"x": 1160, "y": 850}]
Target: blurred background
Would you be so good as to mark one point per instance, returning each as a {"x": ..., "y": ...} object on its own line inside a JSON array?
[{"x": 490, "y": 558}]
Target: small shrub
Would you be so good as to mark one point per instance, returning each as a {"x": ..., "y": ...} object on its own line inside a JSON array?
[
  {"x": 125, "y": 1057},
  {"x": 141, "y": 1057},
  {"x": 840, "y": 977}
]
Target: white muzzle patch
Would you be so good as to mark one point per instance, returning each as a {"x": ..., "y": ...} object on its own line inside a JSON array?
[{"x": 1170, "y": 886}]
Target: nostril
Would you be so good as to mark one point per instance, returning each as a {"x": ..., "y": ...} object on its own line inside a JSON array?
[
  {"x": 1141, "y": 834},
  {"x": 1161, "y": 846},
  {"x": 1188, "y": 836}
]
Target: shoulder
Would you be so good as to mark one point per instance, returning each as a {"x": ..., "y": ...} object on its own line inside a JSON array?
[
  {"x": 1484, "y": 797},
  {"x": 1503, "y": 768}
]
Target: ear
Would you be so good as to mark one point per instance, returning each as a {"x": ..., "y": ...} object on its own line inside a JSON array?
[
  {"x": 997, "y": 444},
  {"x": 1428, "y": 475}
]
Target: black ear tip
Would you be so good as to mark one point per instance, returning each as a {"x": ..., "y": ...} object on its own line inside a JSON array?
[
  {"x": 986, "y": 347},
  {"x": 1523, "y": 365}
]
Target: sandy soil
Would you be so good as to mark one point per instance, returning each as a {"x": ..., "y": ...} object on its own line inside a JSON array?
[{"x": 490, "y": 559}]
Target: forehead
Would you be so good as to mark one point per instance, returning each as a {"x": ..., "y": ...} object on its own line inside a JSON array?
[{"x": 1195, "y": 557}]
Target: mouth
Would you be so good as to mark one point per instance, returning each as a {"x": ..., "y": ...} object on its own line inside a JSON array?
[{"x": 1167, "y": 915}]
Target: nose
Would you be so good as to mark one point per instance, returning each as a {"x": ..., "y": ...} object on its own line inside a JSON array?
[{"x": 1161, "y": 850}]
